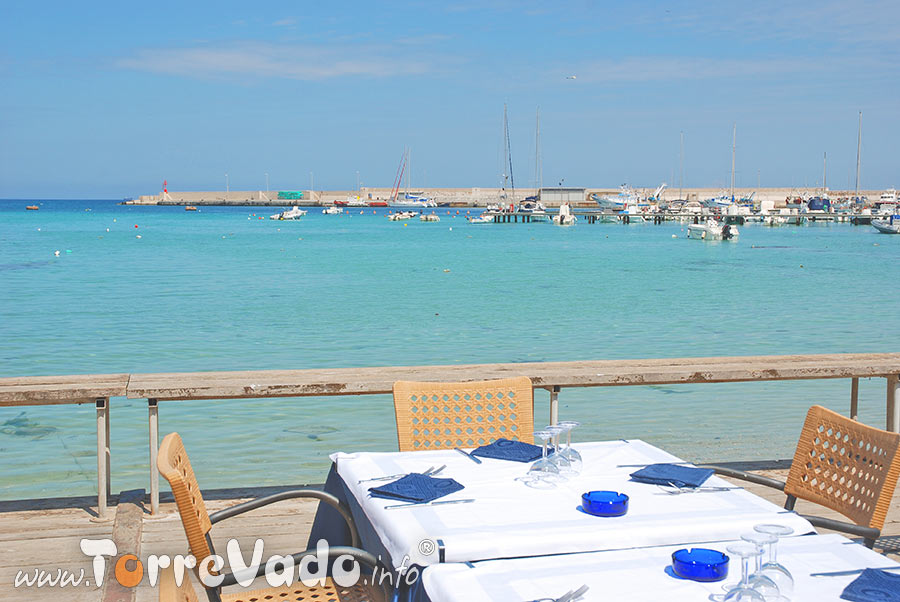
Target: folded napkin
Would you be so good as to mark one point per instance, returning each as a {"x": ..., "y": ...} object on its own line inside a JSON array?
[
  {"x": 504, "y": 449},
  {"x": 416, "y": 487},
  {"x": 873, "y": 585},
  {"x": 672, "y": 474}
]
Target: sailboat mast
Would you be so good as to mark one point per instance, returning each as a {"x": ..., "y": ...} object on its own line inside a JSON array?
[
  {"x": 825, "y": 172},
  {"x": 512, "y": 180},
  {"x": 681, "y": 167},
  {"x": 408, "y": 168},
  {"x": 538, "y": 165},
  {"x": 733, "y": 146},
  {"x": 858, "y": 148}
]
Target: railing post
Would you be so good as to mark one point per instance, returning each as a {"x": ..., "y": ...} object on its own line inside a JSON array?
[
  {"x": 153, "y": 409},
  {"x": 893, "y": 413},
  {"x": 854, "y": 399},
  {"x": 103, "y": 455},
  {"x": 554, "y": 404}
]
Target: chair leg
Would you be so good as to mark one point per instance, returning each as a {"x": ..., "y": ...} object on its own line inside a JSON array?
[
  {"x": 870, "y": 543},
  {"x": 789, "y": 502}
]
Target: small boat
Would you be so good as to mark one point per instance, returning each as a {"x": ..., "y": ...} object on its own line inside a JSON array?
[
  {"x": 712, "y": 230},
  {"x": 402, "y": 215},
  {"x": 32, "y": 208},
  {"x": 378, "y": 203},
  {"x": 481, "y": 219},
  {"x": 891, "y": 225},
  {"x": 429, "y": 218},
  {"x": 190, "y": 208},
  {"x": 333, "y": 210},
  {"x": 565, "y": 217},
  {"x": 289, "y": 214}
]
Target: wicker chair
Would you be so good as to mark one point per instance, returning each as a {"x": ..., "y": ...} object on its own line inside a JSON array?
[
  {"x": 843, "y": 465},
  {"x": 434, "y": 415},
  {"x": 175, "y": 466}
]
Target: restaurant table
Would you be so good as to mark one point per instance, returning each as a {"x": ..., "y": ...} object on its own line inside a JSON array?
[
  {"x": 640, "y": 574},
  {"x": 508, "y": 519}
]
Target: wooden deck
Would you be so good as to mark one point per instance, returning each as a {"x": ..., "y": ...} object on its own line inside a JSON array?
[{"x": 49, "y": 538}]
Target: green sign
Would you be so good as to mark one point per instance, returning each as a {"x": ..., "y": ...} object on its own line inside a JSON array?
[{"x": 290, "y": 195}]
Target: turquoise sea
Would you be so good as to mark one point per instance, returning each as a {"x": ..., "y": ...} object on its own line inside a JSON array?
[{"x": 220, "y": 289}]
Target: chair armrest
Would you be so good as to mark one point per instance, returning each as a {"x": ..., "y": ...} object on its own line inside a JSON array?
[
  {"x": 364, "y": 558},
  {"x": 318, "y": 494},
  {"x": 745, "y": 476},
  {"x": 870, "y": 534}
]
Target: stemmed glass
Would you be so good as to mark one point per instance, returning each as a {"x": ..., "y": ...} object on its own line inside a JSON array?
[
  {"x": 569, "y": 452},
  {"x": 543, "y": 473},
  {"x": 771, "y": 568},
  {"x": 562, "y": 463},
  {"x": 743, "y": 591},
  {"x": 758, "y": 580}
]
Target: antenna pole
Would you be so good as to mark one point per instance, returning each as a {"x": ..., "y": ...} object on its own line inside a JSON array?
[{"x": 858, "y": 148}]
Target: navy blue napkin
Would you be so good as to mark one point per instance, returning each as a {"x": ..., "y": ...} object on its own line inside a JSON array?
[
  {"x": 873, "y": 585},
  {"x": 416, "y": 487},
  {"x": 504, "y": 449},
  {"x": 672, "y": 474}
]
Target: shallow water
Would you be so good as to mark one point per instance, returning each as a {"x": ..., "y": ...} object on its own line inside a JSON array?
[{"x": 220, "y": 289}]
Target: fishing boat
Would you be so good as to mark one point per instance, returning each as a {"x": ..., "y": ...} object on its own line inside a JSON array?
[
  {"x": 891, "y": 225},
  {"x": 565, "y": 216},
  {"x": 627, "y": 197},
  {"x": 333, "y": 210},
  {"x": 402, "y": 215},
  {"x": 32, "y": 208},
  {"x": 712, "y": 230},
  {"x": 378, "y": 203},
  {"x": 190, "y": 208},
  {"x": 290, "y": 214},
  {"x": 429, "y": 218},
  {"x": 481, "y": 219}
]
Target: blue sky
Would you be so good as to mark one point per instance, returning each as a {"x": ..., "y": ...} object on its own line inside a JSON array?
[{"x": 107, "y": 99}]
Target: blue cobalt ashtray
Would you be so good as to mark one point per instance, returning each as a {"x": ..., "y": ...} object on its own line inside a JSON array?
[
  {"x": 700, "y": 564},
  {"x": 604, "y": 503}
]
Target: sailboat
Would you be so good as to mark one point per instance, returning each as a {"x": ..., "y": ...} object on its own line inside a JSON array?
[
  {"x": 725, "y": 200},
  {"x": 532, "y": 204},
  {"x": 410, "y": 199}
]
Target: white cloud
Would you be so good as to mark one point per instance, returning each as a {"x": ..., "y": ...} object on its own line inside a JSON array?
[{"x": 265, "y": 60}]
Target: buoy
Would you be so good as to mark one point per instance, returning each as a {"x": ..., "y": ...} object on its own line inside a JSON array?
[
  {"x": 56, "y": 253},
  {"x": 405, "y": 225},
  {"x": 674, "y": 236},
  {"x": 446, "y": 271},
  {"x": 107, "y": 229},
  {"x": 451, "y": 228},
  {"x": 135, "y": 225},
  {"x": 114, "y": 219},
  {"x": 138, "y": 236}
]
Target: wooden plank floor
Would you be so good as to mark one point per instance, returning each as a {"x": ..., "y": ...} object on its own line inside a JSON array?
[{"x": 49, "y": 538}]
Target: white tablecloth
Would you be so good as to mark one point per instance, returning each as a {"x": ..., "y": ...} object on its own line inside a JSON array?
[
  {"x": 509, "y": 519},
  {"x": 640, "y": 574}
]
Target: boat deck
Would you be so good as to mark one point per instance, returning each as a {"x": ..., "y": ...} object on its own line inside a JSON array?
[{"x": 45, "y": 534}]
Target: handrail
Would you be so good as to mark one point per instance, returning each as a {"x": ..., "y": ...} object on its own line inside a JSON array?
[{"x": 99, "y": 388}]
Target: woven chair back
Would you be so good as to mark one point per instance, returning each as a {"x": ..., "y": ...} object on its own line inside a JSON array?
[
  {"x": 433, "y": 415},
  {"x": 846, "y": 466},
  {"x": 175, "y": 467}
]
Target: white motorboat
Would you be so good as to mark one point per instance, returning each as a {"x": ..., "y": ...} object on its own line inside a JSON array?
[
  {"x": 414, "y": 200},
  {"x": 402, "y": 215},
  {"x": 565, "y": 216},
  {"x": 712, "y": 230},
  {"x": 627, "y": 197},
  {"x": 890, "y": 225},
  {"x": 289, "y": 214},
  {"x": 333, "y": 210},
  {"x": 429, "y": 218},
  {"x": 481, "y": 219}
]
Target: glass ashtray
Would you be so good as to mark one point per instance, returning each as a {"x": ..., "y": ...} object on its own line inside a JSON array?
[
  {"x": 604, "y": 503},
  {"x": 700, "y": 564}
]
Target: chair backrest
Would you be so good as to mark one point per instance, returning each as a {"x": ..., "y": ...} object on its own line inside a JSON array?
[
  {"x": 434, "y": 415},
  {"x": 175, "y": 467},
  {"x": 846, "y": 466},
  {"x": 170, "y": 592}
]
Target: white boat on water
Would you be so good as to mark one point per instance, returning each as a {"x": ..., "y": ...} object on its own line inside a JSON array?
[
  {"x": 289, "y": 214},
  {"x": 565, "y": 216},
  {"x": 333, "y": 210},
  {"x": 481, "y": 219},
  {"x": 712, "y": 230},
  {"x": 890, "y": 225},
  {"x": 627, "y": 197},
  {"x": 414, "y": 200},
  {"x": 402, "y": 215},
  {"x": 429, "y": 218}
]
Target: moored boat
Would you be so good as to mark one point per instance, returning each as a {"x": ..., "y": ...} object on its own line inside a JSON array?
[
  {"x": 429, "y": 218},
  {"x": 335, "y": 210},
  {"x": 402, "y": 215},
  {"x": 712, "y": 230},
  {"x": 290, "y": 214},
  {"x": 32, "y": 208},
  {"x": 890, "y": 225}
]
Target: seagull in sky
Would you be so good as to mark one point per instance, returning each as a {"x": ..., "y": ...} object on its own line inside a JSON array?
[{"x": 571, "y": 77}]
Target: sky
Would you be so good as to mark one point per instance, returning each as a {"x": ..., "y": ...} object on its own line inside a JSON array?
[{"x": 108, "y": 99}]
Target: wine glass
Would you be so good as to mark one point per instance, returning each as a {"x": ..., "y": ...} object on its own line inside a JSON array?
[
  {"x": 562, "y": 463},
  {"x": 569, "y": 452},
  {"x": 743, "y": 591},
  {"x": 771, "y": 568},
  {"x": 758, "y": 580},
  {"x": 541, "y": 474}
]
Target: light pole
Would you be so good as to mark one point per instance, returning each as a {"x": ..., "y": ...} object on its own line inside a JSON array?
[
  {"x": 357, "y": 183},
  {"x": 226, "y": 187},
  {"x": 312, "y": 188},
  {"x": 267, "y": 183}
]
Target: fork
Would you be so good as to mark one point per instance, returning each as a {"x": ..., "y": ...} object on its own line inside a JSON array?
[
  {"x": 672, "y": 489},
  {"x": 430, "y": 472}
]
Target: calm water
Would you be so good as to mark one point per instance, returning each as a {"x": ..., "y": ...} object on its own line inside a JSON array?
[{"x": 220, "y": 289}]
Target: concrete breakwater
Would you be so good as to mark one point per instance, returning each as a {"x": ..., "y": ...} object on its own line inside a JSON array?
[{"x": 460, "y": 197}]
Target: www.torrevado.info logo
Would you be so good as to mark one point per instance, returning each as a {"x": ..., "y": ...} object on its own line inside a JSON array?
[{"x": 128, "y": 569}]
